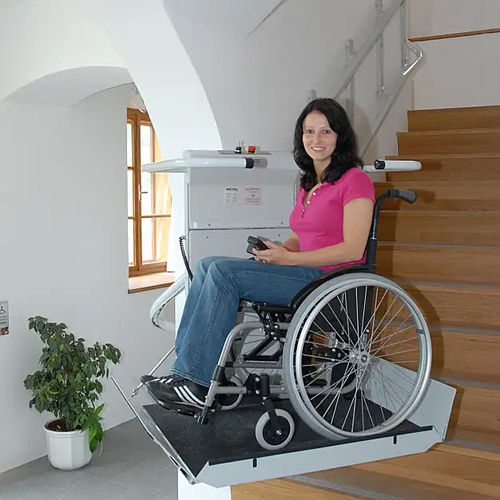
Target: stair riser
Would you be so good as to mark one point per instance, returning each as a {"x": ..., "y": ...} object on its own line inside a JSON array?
[
  {"x": 480, "y": 195},
  {"x": 282, "y": 489},
  {"x": 454, "y": 118},
  {"x": 466, "y": 356},
  {"x": 464, "y": 307},
  {"x": 469, "y": 475},
  {"x": 475, "y": 410},
  {"x": 458, "y": 228},
  {"x": 396, "y": 485},
  {"x": 487, "y": 141},
  {"x": 467, "y": 169},
  {"x": 442, "y": 264}
]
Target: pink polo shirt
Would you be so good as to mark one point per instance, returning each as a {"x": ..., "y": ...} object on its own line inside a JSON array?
[{"x": 321, "y": 222}]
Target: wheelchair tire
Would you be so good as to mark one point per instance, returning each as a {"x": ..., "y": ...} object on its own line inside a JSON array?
[
  {"x": 267, "y": 438},
  {"x": 231, "y": 401},
  {"x": 366, "y": 341}
]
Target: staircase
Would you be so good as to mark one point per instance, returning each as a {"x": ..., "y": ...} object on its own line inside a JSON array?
[{"x": 445, "y": 251}]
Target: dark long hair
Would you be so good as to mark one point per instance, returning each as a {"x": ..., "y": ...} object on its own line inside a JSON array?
[{"x": 345, "y": 155}]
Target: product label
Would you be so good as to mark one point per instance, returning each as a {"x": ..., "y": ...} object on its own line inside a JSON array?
[
  {"x": 243, "y": 195},
  {"x": 4, "y": 317}
]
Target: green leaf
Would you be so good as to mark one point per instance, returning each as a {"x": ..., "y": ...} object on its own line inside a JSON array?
[{"x": 68, "y": 382}]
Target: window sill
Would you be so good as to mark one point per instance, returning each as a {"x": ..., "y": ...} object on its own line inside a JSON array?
[{"x": 150, "y": 282}]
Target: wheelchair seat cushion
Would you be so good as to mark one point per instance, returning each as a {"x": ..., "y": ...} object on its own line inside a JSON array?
[{"x": 299, "y": 298}]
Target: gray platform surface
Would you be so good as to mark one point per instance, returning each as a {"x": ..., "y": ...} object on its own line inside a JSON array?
[{"x": 230, "y": 436}]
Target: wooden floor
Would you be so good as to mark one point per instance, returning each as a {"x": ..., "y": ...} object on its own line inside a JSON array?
[{"x": 445, "y": 251}]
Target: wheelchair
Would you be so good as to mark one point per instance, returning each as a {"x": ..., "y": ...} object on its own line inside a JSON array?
[{"x": 351, "y": 354}]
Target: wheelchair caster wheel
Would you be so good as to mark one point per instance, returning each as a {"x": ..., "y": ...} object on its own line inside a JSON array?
[
  {"x": 231, "y": 401},
  {"x": 268, "y": 438}
]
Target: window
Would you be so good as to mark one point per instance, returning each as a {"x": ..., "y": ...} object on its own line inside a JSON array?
[{"x": 149, "y": 199}]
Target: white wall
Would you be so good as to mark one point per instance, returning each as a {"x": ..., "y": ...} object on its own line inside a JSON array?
[
  {"x": 157, "y": 61},
  {"x": 438, "y": 17},
  {"x": 257, "y": 85},
  {"x": 385, "y": 141},
  {"x": 64, "y": 252},
  {"x": 43, "y": 37},
  {"x": 456, "y": 71},
  {"x": 459, "y": 72}
]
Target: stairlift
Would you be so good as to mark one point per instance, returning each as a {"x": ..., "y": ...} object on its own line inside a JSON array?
[{"x": 254, "y": 194}]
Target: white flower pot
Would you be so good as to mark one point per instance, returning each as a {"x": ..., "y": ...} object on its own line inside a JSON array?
[{"x": 68, "y": 450}]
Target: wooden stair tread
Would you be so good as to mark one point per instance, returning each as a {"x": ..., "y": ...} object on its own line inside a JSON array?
[
  {"x": 457, "y": 131},
  {"x": 451, "y": 170},
  {"x": 430, "y": 475},
  {"x": 476, "y": 436},
  {"x": 454, "y": 118},
  {"x": 476, "y": 413},
  {"x": 460, "y": 227},
  {"x": 475, "y": 475},
  {"x": 446, "y": 471},
  {"x": 287, "y": 489},
  {"x": 442, "y": 156},
  {"x": 422, "y": 262},
  {"x": 465, "y": 355},
  {"x": 461, "y": 109},
  {"x": 464, "y": 306},
  {"x": 468, "y": 451},
  {"x": 384, "y": 485},
  {"x": 459, "y": 195},
  {"x": 446, "y": 141}
]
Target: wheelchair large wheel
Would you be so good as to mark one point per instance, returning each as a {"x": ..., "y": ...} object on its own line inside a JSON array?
[{"x": 357, "y": 357}]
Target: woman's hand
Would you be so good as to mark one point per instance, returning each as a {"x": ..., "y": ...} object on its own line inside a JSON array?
[{"x": 275, "y": 254}]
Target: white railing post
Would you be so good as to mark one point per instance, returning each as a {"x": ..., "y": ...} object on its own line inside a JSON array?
[
  {"x": 404, "y": 38},
  {"x": 349, "y": 54},
  {"x": 379, "y": 7}
]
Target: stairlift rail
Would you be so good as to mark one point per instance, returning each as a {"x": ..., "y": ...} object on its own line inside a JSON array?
[
  {"x": 155, "y": 316},
  {"x": 158, "y": 305}
]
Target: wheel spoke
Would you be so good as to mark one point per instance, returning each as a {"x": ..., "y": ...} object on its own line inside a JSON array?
[{"x": 360, "y": 356}]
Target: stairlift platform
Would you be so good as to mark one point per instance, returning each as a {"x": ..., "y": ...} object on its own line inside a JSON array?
[{"x": 224, "y": 452}]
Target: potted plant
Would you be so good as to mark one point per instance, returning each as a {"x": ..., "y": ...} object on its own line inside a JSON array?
[{"x": 68, "y": 386}]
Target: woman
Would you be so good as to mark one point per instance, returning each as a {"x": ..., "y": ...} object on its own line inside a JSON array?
[{"x": 330, "y": 223}]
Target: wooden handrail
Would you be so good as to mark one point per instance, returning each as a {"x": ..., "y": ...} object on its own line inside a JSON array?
[{"x": 454, "y": 35}]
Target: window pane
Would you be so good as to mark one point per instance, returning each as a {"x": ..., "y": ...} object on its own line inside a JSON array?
[
  {"x": 146, "y": 156},
  {"x": 155, "y": 233},
  {"x": 146, "y": 198},
  {"x": 131, "y": 256},
  {"x": 129, "y": 144},
  {"x": 161, "y": 195},
  {"x": 147, "y": 240},
  {"x": 162, "y": 231},
  {"x": 130, "y": 192}
]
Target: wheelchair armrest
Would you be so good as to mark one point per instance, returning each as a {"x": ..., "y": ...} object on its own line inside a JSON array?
[
  {"x": 261, "y": 307},
  {"x": 358, "y": 268}
]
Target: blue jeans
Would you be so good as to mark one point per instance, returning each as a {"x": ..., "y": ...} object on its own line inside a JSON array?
[{"x": 218, "y": 285}]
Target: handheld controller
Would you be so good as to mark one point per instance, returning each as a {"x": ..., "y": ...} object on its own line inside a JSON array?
[{"x": 257, "y": 243}]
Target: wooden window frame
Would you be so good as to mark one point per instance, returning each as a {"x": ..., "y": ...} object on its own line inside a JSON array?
[{"x": 137, "y": 118}]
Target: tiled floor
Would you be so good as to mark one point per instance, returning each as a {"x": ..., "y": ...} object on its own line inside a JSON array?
[{"x": 131, "y": 467}]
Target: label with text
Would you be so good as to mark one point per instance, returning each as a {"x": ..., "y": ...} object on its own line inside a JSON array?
[{"x": 243, "y": 195}]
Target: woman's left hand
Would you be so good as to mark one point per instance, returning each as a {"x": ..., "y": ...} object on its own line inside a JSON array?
[{"x": 275, "y": 254}]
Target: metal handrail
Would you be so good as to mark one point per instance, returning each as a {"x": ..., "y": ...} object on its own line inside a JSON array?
[
  {"x": 384, "y": 16},
  {"x": 367, "y": 46},
  {"x": 418, "y": 56}
]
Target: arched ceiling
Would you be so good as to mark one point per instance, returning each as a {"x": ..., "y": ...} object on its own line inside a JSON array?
[{"x": 67, "y": 87}]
